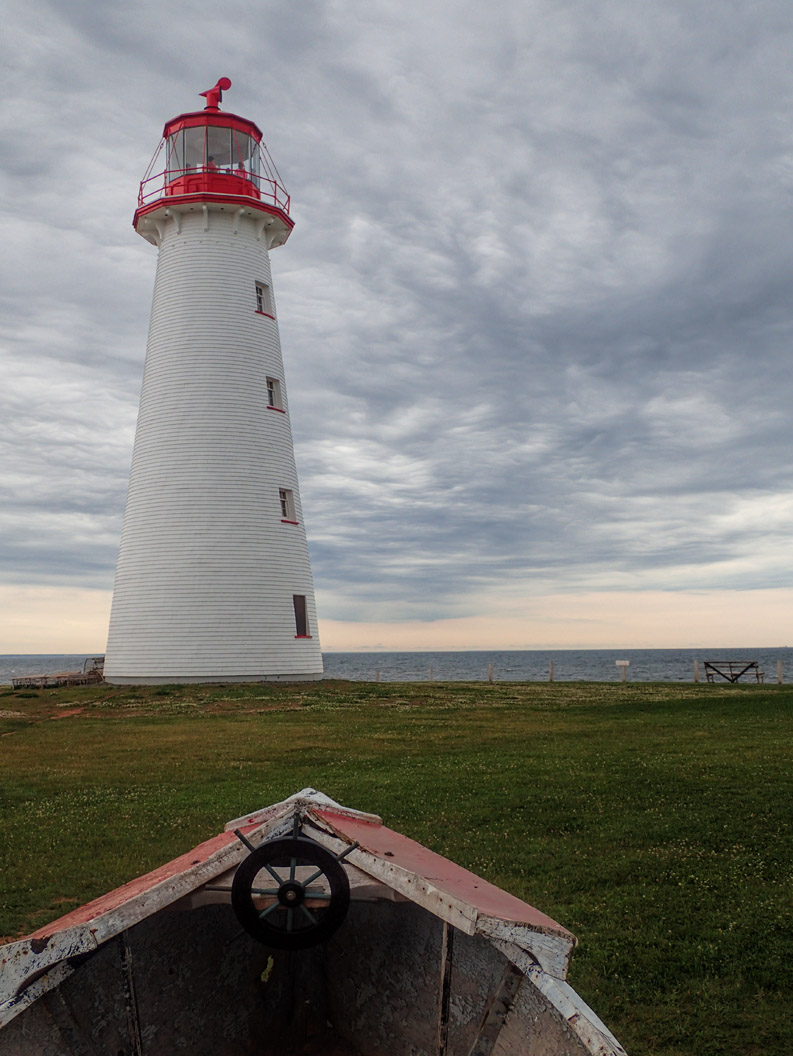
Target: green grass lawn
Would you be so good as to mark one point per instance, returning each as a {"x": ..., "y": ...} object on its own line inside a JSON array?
[{"x": 655, "y": 821}]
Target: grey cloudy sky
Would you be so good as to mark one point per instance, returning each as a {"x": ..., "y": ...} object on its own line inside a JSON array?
[{"x": 536, "y": 310}]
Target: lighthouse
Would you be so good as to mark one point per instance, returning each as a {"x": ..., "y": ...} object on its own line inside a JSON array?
[{"x": 213, "y": 582}]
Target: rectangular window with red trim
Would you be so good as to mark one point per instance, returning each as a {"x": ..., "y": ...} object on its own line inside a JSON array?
[
  {"x": 274, "y": 394},
  {"x": 301, "y": 616},
  {"x": 264, "y": 299},
  {"x": 287, "y": 501}
]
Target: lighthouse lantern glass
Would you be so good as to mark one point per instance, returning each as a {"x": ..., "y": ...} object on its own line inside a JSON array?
[
  {"x": 174, "y": 162},
  {"x": 211, "y": 148}
]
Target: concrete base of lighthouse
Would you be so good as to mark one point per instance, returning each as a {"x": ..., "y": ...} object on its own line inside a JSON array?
[{"x": 182, "y": 680}]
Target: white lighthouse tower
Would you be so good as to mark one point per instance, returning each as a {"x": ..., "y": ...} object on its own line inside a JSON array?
[{"x": 213, "y": 582}]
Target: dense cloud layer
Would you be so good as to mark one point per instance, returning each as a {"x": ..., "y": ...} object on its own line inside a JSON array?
[{"x": 536, "y": 309}]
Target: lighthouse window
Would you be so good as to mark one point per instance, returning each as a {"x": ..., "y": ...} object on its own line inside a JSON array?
[
  {"x": 274, "y": 394},
  {"x": 301, "y": 616},
  {"x": 194, "y": 155},
  {"x": 175, "y": 160},
  {"x": 264, "y": 299},
  {"x": 287, "y": 500},
  {"x": 218, "y": 147},
  {"x": 244, "y": 156}
]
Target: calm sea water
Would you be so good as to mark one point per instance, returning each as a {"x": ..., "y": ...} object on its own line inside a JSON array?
[{"x": 595, "y": 665}]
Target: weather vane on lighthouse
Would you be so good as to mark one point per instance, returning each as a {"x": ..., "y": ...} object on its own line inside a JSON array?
[
  {"x": 214, "y": 96},
  {"x": 213, "y": 581}
]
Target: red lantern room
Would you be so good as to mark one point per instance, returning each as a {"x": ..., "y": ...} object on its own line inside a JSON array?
[{"x": 211, "y": 155}]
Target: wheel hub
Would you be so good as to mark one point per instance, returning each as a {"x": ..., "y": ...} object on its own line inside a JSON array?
[{"x": 291, "y": 893}]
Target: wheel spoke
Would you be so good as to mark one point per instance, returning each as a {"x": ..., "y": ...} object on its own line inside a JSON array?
[
  {"x": 266, "y": 912},
  {"x": 313, "y": 877},
  {"x": 292, "y": 867},
  {"x": 308, "y": 913},
  {"x": 273, "y": 874},
  {"x": 265, "y": 890},
  {"x": 321, "y": 895},
  {"x": 290, "y": 919}
]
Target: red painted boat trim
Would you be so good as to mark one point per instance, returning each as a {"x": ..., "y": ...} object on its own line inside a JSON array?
[
  {"x": 396, "y": 849},
  {"x": 280, "y": 411},
  {"x": 375, "y": 838},
  {"x": 113, "y": 899}
]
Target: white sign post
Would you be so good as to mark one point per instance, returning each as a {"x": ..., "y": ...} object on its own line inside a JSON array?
[{"x": 623, "y": 665}]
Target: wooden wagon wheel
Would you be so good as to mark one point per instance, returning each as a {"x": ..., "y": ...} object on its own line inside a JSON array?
[{"x": 289, "y": 923}]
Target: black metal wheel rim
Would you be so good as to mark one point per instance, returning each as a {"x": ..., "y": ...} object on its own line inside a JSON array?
[{"x": 272, "y": 871}]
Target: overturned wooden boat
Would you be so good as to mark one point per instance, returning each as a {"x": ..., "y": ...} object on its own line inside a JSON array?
[{"x": 304, "y": 928}]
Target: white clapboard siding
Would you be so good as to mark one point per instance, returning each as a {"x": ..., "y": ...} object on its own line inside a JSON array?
[{"x": 207, "y": 569}]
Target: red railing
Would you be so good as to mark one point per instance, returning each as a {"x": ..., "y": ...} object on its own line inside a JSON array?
[
  {"x": 206, "y": 181},
  {"x": 211, "y": 179}
]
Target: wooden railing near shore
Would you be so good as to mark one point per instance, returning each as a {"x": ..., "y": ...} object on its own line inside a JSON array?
[{"x": 90, "y": 675}]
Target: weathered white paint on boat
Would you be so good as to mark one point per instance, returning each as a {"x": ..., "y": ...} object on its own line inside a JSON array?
[{"x": 171, "y": 938}]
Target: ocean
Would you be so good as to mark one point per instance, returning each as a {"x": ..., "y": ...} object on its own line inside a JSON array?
[{"x": 531, "y": 665}]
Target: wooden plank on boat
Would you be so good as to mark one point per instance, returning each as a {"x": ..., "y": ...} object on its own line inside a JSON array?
[
  {"x": 447, "y": 951},
  {"x": 302, "y": 801},
  {"x": 68, "y": 1028},
  {"x": 130, "y": 1000},
  {"x": 36, "y": 988},
  {"x": 450, "y": 892},
  {"x": 407, "y": 882},
  {"x": 30, "y": 967},
  {"x": 497, "y": 1011},
  {"x": 551, "y": 953},
  {"x": 580, "y": 1018}
]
